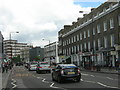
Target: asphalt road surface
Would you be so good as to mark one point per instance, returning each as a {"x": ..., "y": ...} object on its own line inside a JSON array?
[{"x": 22, "y": 78}]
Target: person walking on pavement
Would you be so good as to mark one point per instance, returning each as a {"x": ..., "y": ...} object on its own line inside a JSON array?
[
  {"x": 6, "y": 67},
  {"x": 3, "y": 67}
]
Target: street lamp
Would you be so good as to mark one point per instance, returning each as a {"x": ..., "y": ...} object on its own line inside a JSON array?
[
  {"x": 49, "y": 48},
  {"x": 10, "y": 41}
]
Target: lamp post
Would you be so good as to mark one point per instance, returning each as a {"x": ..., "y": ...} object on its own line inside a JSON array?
[
  {"x": 91, "y": 62},
  {"x": 10, "y": 42},
  {"x": 49, "y": 49}
]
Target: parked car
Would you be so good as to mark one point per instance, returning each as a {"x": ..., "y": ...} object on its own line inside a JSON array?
[
  {"x": 32, "y": 66},
  {"x": 43, "y": 66},
  {"x": 66, "y": 72}
]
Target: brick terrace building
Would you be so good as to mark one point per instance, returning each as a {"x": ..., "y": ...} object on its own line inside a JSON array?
[{"x": 93, "y": 39}]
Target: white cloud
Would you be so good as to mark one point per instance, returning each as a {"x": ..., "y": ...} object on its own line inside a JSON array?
[{"x": 33, "y": 17}]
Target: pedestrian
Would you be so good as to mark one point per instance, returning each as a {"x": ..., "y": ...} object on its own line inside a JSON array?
[
  {"x": 3, "y": 67},
  {"x": 6, "y": 67},
  {"x": 110, "y": 66}
]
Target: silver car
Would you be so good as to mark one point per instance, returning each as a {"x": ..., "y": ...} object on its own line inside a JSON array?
[
  {"x": 32, "y": 67},
  {"x": 43, "y": 66}
]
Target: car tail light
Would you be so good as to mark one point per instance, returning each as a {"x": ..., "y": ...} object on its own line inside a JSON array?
[
  {"x": 39, "y": 67},
  {"x": 78, "y": 70},
  {"x": 49, "y": 67}
]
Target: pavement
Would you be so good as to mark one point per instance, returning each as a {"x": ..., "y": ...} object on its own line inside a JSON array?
[
  {"x": 4, "y": 79},
  {"x": 103, "y": 70}
]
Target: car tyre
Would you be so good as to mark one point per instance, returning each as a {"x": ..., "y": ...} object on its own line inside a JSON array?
[
  {"x": 53, "y": 78},
  {"x": 77, "y": 79},
  {"x": 59, "y": 79}
]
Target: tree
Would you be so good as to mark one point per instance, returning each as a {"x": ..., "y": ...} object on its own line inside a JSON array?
[{"x": 16, "y": 59}]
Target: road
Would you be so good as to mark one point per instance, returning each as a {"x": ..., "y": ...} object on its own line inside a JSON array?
[{"x": 20, "y": 77}]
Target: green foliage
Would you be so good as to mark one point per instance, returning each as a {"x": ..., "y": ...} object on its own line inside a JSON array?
[{"x": 16, "y": 59}]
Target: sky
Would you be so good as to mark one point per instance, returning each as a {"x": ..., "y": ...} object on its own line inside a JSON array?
[{"x": 38, "y": 19}]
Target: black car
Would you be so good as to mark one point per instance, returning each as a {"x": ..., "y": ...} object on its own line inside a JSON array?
[
  {"x": 66, "y": 72},
  {"x": 19, "y": 64}
]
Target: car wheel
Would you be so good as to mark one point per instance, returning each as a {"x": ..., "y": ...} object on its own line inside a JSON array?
[
  {"x": 49, "y": 71},
  {"x": 77, "y": 79},
  {"x": 36, "y": 71},
  {"x": 53, "y": 78},
  {"x": 59, "y": 79}
]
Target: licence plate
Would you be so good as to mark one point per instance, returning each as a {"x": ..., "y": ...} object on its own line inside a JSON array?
[{"x": 71, "y": 72}]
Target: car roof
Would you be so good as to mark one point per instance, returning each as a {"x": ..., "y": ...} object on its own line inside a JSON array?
[{"x": 67, "y": 65}]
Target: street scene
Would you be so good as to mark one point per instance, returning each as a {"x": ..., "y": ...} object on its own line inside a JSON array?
[
  {"x": 20, "y": 77},
  {"x": 59, "y": 44}
]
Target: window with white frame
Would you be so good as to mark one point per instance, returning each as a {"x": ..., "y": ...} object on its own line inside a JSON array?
[
  {"x": 85, "y": 47},
  {"x": 119, "y": 19},
  {"x": 63, "y": 43},
  {"x": 78, "y": 49},
  {"x": 98, "y": 28},
  {"x": 105, "y": 25},
  {"x": 94, "y": 44},
  {"x": 77, "y": 37},
  {"x": 105, "y": 42},
  {"x": 81, "y": 47},
  {"x": 93, "y": 31},
  {"x": 99, "y": 43},
  {"x": 111, "y": 23},
  {"x": 72, "y": 39},
  {"x": 89, "y": 46},
  {"x": 74, "y": 49},
  {"x": 112, "y": 40},
  {"x": 80, "y": 36},
  {"x": 88, "y": 33},
  {"x": 69, "y": 50},
  {"x": 84, "y": 34}
]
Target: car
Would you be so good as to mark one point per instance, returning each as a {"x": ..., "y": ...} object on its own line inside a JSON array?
[
  {"x": 43, "y": 66},
  {"x": 19, "y": 64},
  {"x": 32, "y": 66},
  {"x": 64, "y": 72}
]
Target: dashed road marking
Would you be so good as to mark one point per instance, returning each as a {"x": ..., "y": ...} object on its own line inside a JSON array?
[
  {"x": 111, "y": 78},
  {"x": 100, "y": 84},
  {"x": 106, "y": 85}
]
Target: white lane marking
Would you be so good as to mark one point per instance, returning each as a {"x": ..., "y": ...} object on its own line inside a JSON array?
[
  {"x": 106, "y": 85},
  {"x": 100, "y": 84},
  {"x": 111, "y": 78},
  {"x": 81, "y": 79},
  {"x": 87, "y": 75},
  {"x": 84, "y": 74},
  {"x": 53, "y": 86},
  {"x": 92, "y": 75},
  {"x": 13, "y": 83}
]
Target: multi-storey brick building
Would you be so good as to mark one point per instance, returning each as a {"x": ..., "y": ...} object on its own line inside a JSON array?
[{"x": 93, "y": 39}]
